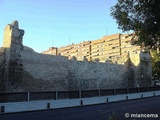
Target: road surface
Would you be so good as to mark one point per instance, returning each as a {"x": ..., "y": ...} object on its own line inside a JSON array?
[{"x": 146, "y": 106}]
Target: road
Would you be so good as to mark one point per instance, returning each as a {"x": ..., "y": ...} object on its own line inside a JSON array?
[{"x": 94, "y": 112}]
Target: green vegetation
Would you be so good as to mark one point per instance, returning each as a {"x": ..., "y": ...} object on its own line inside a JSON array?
[
  {"x": 155, "y": 64},
  {"x": 142, "y": 17}
]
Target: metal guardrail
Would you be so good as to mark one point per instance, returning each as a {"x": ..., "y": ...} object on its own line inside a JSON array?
[{"x": 55, "y": 95}]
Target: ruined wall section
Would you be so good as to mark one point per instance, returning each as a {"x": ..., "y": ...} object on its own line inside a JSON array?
[
  {"x": 145, "y": 69},
  {"x": 48, "y": 72},
  {"x": 13, "y": 43},
  {"x": 91, "y": 75},
  {"x": 7, "y": 36},
  {"x": 140, "y": 69},
  {"x": 43, "y": 72},
  {"x": 2, "y": 69},
  {"x": 26, "y": 70},
  {"x": 138, "y": 65}
]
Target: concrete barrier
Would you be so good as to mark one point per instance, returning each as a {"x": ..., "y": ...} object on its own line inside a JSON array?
[{"x": 54, "y": 104}]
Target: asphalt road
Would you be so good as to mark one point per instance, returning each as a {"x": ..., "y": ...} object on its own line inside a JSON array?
[{"x": 95, "y": 112}]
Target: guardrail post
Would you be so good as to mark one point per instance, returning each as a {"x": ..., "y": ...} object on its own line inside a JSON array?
[
  {"x": 107, "y": 100},
  {"x": 99, "y": 93},
  {"x": 80, "y": 94},
  {"x": 81, "y": 102},
  {"x": 141, "y": 95},
  {"x": 114, "y": 91},
  {"x": 56, "y": 97},
  {"x": 2, "y": 109},
  {"x": 154, "y": 94},
  {"x": 127, "y": 97},
  {"x": 28, "y": 96},
  {"x": 48, "y": 105}
]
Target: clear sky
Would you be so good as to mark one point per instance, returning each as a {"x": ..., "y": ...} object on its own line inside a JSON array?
[{"x": 58, "y": 22}]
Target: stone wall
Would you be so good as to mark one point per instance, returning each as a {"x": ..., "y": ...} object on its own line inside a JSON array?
[
  {"x": 26, "y": 70},
  {"x": 43, "y": 72},
  {"x": 2, "y": 69},
  {"x": 145, "y": 69},
  {"x": 135, "y": 71},
  {"x": 95, "y": 75},
  {"x": 50, "y": 73},
  {"x": 13, "y": 43}
]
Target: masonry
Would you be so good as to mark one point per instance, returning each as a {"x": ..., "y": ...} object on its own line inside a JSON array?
[{"x": 25, "y": 70}]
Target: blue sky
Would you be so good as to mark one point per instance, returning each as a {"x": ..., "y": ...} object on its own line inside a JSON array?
[{"x": 58, "y": 22}]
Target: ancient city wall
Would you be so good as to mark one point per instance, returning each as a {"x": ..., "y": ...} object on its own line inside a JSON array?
[
  {"x": 43, "y": 72},
  {"x": 91, "y": 75},
  {"x": 13, "y": 43},
  {"x": 26, "y": 70},
  {"x": 2, "y": 68}
]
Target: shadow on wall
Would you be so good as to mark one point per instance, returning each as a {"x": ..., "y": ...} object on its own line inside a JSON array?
[
  {"x": 40, "y": 72},
  {"x": 91, "y": 75},
  {"x": 2, "y": 69},
  {"x": 49, "y": 73},
  {"x": 140, "y": 75}
]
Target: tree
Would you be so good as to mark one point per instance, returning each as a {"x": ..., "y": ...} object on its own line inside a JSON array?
[
  {"x": 155, "y": 64},
  {"x": 142, "y": 17}
]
